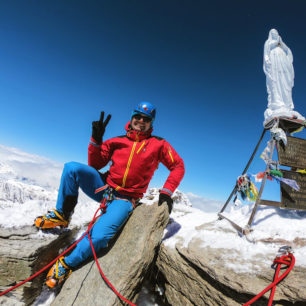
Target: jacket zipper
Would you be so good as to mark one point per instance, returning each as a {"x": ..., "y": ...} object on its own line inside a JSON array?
[{"x": 129, "y": 162}]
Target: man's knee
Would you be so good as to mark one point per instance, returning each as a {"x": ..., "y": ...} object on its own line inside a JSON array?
[
  {"x": 100, "y": 243},
  {"x": 71, "y": 167}
]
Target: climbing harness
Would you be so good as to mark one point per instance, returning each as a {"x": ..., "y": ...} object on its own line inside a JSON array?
[
  {"x": 284, "y": 259},
  {"x": 107, "y": 197},
  {"x": 110, "y": 196}
]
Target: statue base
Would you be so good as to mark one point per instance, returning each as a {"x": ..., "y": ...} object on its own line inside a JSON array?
[{"x": 272, "y": 115}]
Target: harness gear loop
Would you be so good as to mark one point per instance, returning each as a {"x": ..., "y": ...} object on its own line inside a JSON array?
[{"x": 108, "y": 196}]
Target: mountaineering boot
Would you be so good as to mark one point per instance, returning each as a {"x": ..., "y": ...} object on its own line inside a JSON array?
[
  {"x": 58, "y": 273},
  {"x": 50, "y": 220}
]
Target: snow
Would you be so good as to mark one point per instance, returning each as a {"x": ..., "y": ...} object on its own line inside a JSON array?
[
  {"x": 274, "y": 225},
  {"x": 25, "y": 195},
  {"x": 280, "y": 225},
  {"x": 287, "y": 114},
  {"x": 28, "y": 188}
]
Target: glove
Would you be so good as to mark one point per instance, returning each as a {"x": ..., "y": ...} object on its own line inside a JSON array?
[
  {"x": 98, "y": 128},
  {"x": 163, "y": 197}
]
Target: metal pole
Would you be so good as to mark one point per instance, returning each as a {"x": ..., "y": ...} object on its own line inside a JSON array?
[
  {"x": 262, "y": 186},
  {"x": 245, "y": 170},
  {"x": 252, "y": 157}
]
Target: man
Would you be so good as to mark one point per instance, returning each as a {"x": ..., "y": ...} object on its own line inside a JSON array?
[{"x": 134, "y": 158}]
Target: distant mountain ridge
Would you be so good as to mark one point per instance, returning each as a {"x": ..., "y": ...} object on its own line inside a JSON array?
[
  {"x": 16, "y": 185},
  {"x": 12, "y": 191},
  {"x": 29, "y": 168}
]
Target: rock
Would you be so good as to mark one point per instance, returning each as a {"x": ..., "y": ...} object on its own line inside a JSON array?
[
  {"x": 24, "y": 251},
  {"x": 125, "y": 263},
  {"x": 199, "y": 276},
  {"x": 10, "y": 301}
]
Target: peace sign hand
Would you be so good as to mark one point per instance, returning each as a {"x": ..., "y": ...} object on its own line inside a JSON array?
[{"x": 98, "y": 128}]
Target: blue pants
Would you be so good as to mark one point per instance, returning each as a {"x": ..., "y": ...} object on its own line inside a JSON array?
[{"x": 77, "y": 175}]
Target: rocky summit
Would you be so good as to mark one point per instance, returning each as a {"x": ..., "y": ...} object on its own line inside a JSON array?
[
  {"x": 23, "y": 252},
  {"x": 198, "y": 276},
  {"x": 125, "y": 263},
  {"x": 192, "y": 273}
]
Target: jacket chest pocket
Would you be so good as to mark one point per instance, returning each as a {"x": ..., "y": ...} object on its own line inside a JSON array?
[
  {"x": 145, "y": 156},
  {"x": 142, "y": 148}
]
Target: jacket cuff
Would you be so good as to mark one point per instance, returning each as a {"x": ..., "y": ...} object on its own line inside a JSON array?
[
  {"x": 93, "y": 142},
  {"x": 166, "y": 191}
]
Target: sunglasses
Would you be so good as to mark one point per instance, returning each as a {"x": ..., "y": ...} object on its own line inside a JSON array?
[{"x": 144, "y": 118}]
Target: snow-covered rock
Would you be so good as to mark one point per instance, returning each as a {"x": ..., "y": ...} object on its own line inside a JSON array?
[
  {"x": 23, "y": 252},
  {"x": 152, "y": 194},
  {"x": 199, "y": 275},
  {"x": 12, "y": 191},
  {"x": 204, "y": 261}
]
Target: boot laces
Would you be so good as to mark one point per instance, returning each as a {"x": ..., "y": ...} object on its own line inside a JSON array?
[
  {"x": 51, "y": 215},
  {"x": 61, "y": 270}
]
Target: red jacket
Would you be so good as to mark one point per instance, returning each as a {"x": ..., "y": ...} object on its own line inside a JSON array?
[{"x": 134, "y": 158}]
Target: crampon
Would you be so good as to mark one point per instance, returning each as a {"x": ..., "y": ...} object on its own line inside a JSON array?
[{"x": 51, "y": 219}]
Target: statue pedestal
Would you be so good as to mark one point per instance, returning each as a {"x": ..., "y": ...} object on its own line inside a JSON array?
[{"x": 292, "y": 120}]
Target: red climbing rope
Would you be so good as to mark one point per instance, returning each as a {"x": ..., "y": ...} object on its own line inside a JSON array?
[
  {"x": 104, "y": 277},
  {"x": 95, "y": 217},
  {"x": 288, "y": 261}
]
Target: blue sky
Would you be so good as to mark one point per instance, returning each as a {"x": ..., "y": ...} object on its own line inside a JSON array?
[{"x": 199, "y": 62}]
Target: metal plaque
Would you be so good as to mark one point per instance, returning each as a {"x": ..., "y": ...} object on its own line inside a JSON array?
[
  {"x": 293, "y": 154},
  {"x": 290, "y": 197}
]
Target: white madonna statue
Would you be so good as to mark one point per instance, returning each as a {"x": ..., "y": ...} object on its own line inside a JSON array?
[{"x": 278, "y": 67}]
